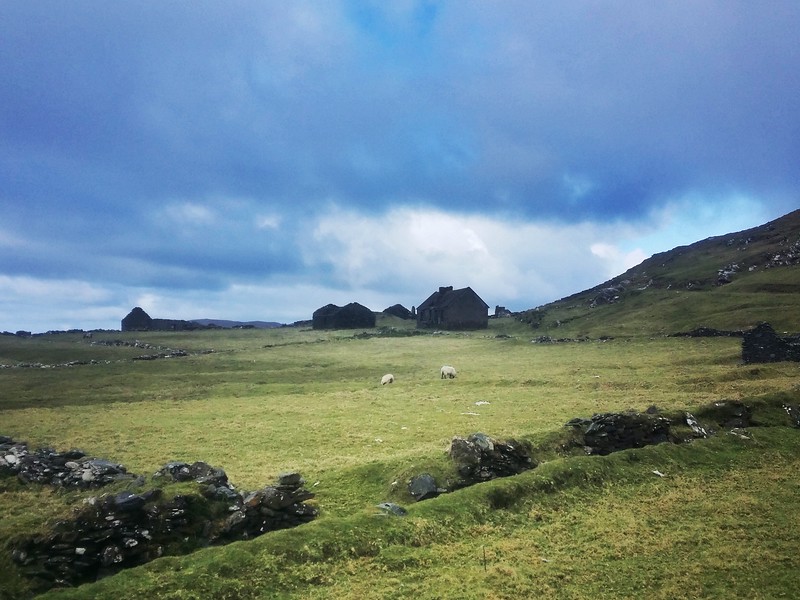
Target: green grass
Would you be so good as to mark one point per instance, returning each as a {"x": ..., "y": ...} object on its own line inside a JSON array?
[{"x": 265, "y": 402}]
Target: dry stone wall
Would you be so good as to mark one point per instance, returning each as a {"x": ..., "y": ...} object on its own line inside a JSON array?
[
  {"x": 122, "y": 529},
  {"x": 762, "y": 345}
]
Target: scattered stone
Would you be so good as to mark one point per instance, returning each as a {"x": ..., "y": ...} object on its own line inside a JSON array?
[
  {"x": 708, "y": 332},
  {"x": 608, "y": 295},
  {"x": 70, "y": 469},
  {"x": 726, "y": 273},
  {"x": 393, "y": 509}
]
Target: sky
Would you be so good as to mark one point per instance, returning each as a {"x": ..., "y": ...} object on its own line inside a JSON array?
[{"x": 256, "y": 160}]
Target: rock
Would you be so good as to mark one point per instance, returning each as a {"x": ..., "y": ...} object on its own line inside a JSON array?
[
  {"x": 290, "y": 480},
  {"x": 698, "y": 430},
  {"x": 276, "y": 499},
  {"x": 423, "y": 487},
  {"x": 111, "y": 555},
  {"x": 392, "y": 509},
  {"x": 128, "y": 501},
  {"x": 465, "y": 454},
  {"x": 204, "y": 473}
]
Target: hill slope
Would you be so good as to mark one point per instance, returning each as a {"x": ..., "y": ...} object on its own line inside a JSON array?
[{"x": 731, "y": 281}]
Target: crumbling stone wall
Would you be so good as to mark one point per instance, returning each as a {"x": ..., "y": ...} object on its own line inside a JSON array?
[
  {"x": 610, "y": 432},
  {"x": 119, "y": 530},
  {"x": 762, "y": 345}
]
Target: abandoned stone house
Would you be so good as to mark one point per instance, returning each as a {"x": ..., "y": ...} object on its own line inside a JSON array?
[
  {"x": 453, "y": 309},
  {"x": 350, "y": 316},
  {"x": 139, "y": 320}
]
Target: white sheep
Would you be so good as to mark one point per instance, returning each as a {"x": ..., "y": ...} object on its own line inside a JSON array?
[
  {"x": 388, "y": 378},
  {"x": 448, "y": 371}
]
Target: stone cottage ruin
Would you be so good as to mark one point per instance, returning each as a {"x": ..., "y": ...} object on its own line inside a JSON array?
[{"x": 453, "y": 309}]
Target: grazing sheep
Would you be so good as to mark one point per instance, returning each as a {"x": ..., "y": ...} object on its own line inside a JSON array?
[
  {"x": 388, "y": 378},
  {"x": 448, "y": 371}
]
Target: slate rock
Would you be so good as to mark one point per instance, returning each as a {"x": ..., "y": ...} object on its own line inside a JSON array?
[
  {"x": 423, "y": 487},
  {"x": 393, "y": 509}
]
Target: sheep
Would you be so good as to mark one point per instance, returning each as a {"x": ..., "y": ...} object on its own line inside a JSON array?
[
  {"x": 388, "y": 378},
  {"x": 448, "y": 371}
]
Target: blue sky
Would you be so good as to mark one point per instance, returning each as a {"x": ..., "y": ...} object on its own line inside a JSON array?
[{"x": 258, "y": 160}]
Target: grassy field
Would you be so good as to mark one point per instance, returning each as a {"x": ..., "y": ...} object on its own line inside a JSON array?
[{"x": 257, "y": 403}]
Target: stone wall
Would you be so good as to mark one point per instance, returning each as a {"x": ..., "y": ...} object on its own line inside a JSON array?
[
  {"x": 610, "y": 432},
  {"x": 126, "y": 528},
  {"x": 762, "y": 345}
]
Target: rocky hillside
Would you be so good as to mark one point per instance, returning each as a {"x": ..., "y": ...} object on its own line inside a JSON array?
[{"x": 731, "y": 281}]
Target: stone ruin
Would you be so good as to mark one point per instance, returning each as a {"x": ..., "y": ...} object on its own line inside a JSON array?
[
  {"x": 762, "y": 345},
  {"x": 480, "y": 458},
  {"x": 139, "y": 320},
  {"x": 477, "y": 458},
  {"x": 350, "y": 316},
  {"x": 114, "y": 531},
  {"x": 610, "y": 432}
]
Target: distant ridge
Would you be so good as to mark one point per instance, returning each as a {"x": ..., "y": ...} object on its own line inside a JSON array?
[
  {"x": 226, "y": 324},
  {"x": 728, "y": 282}
]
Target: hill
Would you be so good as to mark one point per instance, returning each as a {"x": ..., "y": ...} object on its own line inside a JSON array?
[
  {"x": 727, "y": 282},
  {"x": 226, "y": 324}
]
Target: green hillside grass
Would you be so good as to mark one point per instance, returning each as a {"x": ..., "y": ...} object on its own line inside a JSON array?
[
  {"x": 680, "y": 290},
  {"x": 721, "y": 523}
]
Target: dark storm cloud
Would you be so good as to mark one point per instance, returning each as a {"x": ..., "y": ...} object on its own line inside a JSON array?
[{"x": 200, "y": 143}]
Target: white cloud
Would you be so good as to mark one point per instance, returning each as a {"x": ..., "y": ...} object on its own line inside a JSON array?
[
  {"x": 617, "y": 261},
  {"x": 43, "y": 304},
  {"x": 268, "y": 221},
  {"x": 189, "y": 213},
  {"x": 380, "y": 260},
  {"x": 692, "y": 218},
  {"x": 504, "y": 261},
  {"x": 72, "y": 291},
  {"x": 9, "y": 240}
]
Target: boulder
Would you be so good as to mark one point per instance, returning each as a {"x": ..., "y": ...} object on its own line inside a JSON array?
[{"x": 423, "y": 487}]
